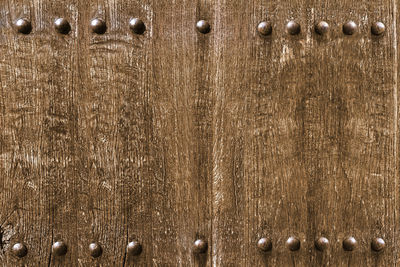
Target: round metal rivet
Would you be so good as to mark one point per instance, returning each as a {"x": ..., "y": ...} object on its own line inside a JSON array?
[
  {"x": 95, "y": 250},
  {"x": 349, "y": 28},
  {"x": 321, "y": 243},
  {"x": 19, "y": 250},
  {"x": 134, "y": 248},
  {"x": 264, "y": 244},
  {"x": 349, "y": 244},
  {"x": 203, "y": 26},
  {"x": 60, "y": 248},
  {"x": 98, "y": 26},
  {"x": 200, "y": 246},
  {"x": 322, "y": 27},
  {"x": 293, "y": 28},
  {"x": 378, "y": 28},
  {"x": 264, "y": 28},
  {"x": 378, "y": 244},
  {"x": 62, "y": 26},
  {"x": 23, "y": 26},
  {"x": 293, "y": 243},
  {"x": 137, "y": 26}
]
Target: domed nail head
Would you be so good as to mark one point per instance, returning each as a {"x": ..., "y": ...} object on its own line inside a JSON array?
[
  {"x": 134, "y": 248},
  {"x": 62, "y": 26},
  {"x": 23, "y": 26},
  {"x": 200, "y": 246},
  {"x": 203, "y": 26},
  {"x": 264, "y": 244},
  {"x": 322, "y": 27},
  {"x": 19, "y": 250},
  {"x": 378, "y": 244},
  {"x": 98, "y": 26},
  {"x": 137, "y": 26},
  {"x": 293, "y": 28},
  {"x": 349, "y": 28},
  {"x": 378, "y": 28},
  {"x": 349, "y": 244},
  {"x": 321, "y": 243},
  {"x": 95, "y": 250},
  {"x": 60, "y": 248},
  {"x": 264, "y": 28},
  {"x": 293, "y": 243}
]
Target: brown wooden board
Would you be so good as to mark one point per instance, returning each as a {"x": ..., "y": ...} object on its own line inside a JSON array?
[
  {"x": 349, "y": 120},
  {"x": 175, "y": 135},
  {"x": 38, "y": 191}
]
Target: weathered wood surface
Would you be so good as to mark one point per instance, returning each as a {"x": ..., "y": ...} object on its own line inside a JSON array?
[{"x": 174, "y": 135}]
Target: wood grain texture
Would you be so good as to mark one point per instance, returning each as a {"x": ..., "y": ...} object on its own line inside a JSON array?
[
  {"x": 113, "y": 129},
  {"x": 37, "y": 134},
  {"x": 182, "y": 133},
  {"x": 175, "y": 135},
  {"x": 349, "y": 149},
  {"x": 276, "y": 183}
]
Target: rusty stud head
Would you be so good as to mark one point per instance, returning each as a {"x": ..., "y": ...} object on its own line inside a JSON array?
[
  {"x": 349, "y": 28},
  {"x": 378, "y": 244},
  {"x": 378, "y": 28},
  {"x": 264, "y": 28},
  {"x": 95, "y": 250},
  {"x": 60, "y": 248},
  {"x": 134, "y": 248},
  {"x": 19, "y": 250},
  {"x": 322, "y": 27},
  {"x": 321, "y": 243},
  {"x": 349, "y": 244},
  {"x": 137, "y": 26},
  {"x": 23, "y": 26},
  {"x": 293, "y": 28},
  {"x": 62, "y": 26},
  {"x": 264, "y": 244},
  {"x": 293, "y": 243},
  {"x": 98, "y": 26},
  {"x": 200, "y": 246},
  {"x": 203, "y": 26}
]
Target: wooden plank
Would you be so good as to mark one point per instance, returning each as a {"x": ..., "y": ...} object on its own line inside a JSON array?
[
  {"x": 181, "y": 143},
  {"x": 37, "y": 133},
  {"x": 349, "y": 120},
  {"x": 259, "y": 185},
  {"x": 113, "y": 119}
]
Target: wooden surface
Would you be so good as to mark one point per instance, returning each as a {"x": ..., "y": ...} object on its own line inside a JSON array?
[{"x": 174, "y": 135}]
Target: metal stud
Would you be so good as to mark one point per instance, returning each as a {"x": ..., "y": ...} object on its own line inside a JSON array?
[
  {"x": 23, "y": 26},
  {"x": 293, "y": 243},
  {"x": 62, "y": 26},
  {"x": 95, "y": 250},
  {"x": 321, "y": 243},
  {"x": 378, "y": 244},
  {"x": 19, "y": 250},
  {"x": 264, "y": 244},
  {"x": 378, "y": 28},
  {"x": 98, "y": 26},
  {"x": 264, "y": 28},
  {"x": 322, "y": 27},
  {"x": 349, "y": 244},
  {"x": 200, "y": 246},
  {"x": 60, "y": 248},
  {"x": 293, "y": 27},
  {"x": 134, "y": 248},
  {"x": 349, "y": 28},
  {"x": 137, "y": 26},
  {"x": 203, "y": 26}
]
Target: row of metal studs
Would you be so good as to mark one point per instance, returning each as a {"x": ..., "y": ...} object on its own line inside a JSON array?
[
  {"x": 134, "y": 248},
  {"x": 321, "y": 244},
  {"x": 99, "y": 26}
]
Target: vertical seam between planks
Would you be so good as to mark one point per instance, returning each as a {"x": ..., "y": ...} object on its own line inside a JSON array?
[{"x": 395, "y": 95}]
